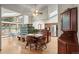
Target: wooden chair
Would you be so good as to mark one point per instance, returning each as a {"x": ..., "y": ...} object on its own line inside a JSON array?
[
  {"x": 41, "y": 43},
  {"x": 46, "y": 34},
  {"x": 31, "y": 41},
  {"x": 19, "y": 38}
]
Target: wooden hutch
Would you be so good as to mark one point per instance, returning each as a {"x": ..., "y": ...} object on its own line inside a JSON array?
[{"x": 68, "y": 41}]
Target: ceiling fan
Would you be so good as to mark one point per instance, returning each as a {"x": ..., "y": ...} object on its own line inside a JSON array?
[{"x": 36, "y": 12}]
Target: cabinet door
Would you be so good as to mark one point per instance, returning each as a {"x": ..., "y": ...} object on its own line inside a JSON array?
[
  {"x": 74, "y": 19},
  {"x": 61, "y": 48},
  {"x": 72, "y": 49},
  {"x": 66, "y": 21}
]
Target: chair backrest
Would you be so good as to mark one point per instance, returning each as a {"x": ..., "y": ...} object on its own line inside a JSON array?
[
  {"x": 46, "y": 34},
  {"x": 30, "y": 39}
]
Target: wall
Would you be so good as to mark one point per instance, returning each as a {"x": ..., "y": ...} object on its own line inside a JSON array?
[
  {"x": 45, "y": 16},
  {"x": 0, "y": 28},
  {"x": 26, "y": 19},
  {"x": 51, "y": 10},
  {"x": 78, "y": 23},
  {"x": 30, "y": 19},
  {"x": 52, "y": 7},
  {"x": 40, "y": 19}
]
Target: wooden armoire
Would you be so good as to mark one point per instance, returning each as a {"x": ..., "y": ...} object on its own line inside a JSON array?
[{"x": 68, "y": 41}]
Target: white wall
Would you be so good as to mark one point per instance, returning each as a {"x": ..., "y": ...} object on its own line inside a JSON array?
[
  {"x": 52, "y": 8},
  {"x": 40, "y": 19},
  {"x": 30, "y": 19},
  {"x": 78, "y": 23},
  {"x": 26, "y": 19},
  {"x": 44, "y": 18},
  {"x": 63, "y": 7},
  {"x": 0, "y": 28}
]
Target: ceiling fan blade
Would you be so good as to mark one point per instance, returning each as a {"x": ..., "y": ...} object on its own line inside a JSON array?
[{"x": 40, "y": 13}]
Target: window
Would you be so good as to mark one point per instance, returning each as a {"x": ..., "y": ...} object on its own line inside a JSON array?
[
  {"x": 53, "y": 16},
  {"x": 22, "y": 27},
  {"x": 8, "y": 26}
]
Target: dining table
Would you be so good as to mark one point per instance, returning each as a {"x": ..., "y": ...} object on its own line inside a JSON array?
[
  {"x": 37, "y": 40},
  {"x": 35, "y": 35},
  {"x": 21, "y": 37}
]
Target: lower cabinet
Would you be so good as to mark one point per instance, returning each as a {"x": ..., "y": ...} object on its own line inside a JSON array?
[
  {"x": 61, "y": 48},
  {"x": 67, "y": 48},
  {"x": 68, "y": 43}
]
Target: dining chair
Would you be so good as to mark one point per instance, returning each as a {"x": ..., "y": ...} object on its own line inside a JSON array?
[
  {"x": 31, "y": 42},
  {"x": 41, "y": 43}
]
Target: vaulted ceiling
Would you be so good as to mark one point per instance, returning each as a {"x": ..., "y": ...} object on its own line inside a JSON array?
[{"x": 25, "y": 8}]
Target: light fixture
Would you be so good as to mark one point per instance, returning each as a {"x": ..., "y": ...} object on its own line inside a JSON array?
[{"x": 35, "y": 12}]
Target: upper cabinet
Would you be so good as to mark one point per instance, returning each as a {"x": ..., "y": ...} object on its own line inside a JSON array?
[{"x": 69, "y": 20}]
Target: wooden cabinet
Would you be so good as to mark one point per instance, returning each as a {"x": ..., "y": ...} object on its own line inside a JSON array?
[
  {"x": 73, "y": 18},
  {"x": 66, "y": 21},
  {"x": 61, "y": 47},
  {"x": 69, "y": 20},
  {"x": 68, "y": 42}
]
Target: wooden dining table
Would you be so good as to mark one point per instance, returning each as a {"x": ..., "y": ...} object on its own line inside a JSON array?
[
  {"x": 35, "y": 35},
  {"x": 23, "y": 37},
  {"x": 37, "y": 40},
  {"x": 34, "y": 40}
]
